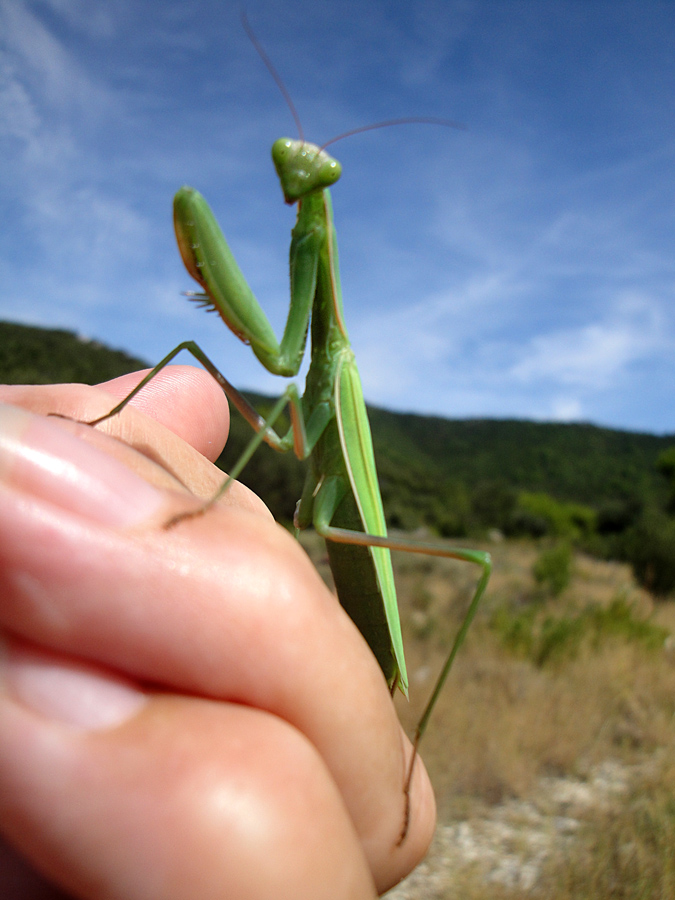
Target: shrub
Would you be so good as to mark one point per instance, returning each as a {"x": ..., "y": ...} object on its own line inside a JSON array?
[
  {"x": 560, "y": 638},
  {"x": 516, "y": 629},
  {"x": 553, "y": 568},
  {"x": 554, "y": 638},
  {"x": 618, "y": 619},
  {"x": 616, "y": 516},
  {"x": 650, "y": 549},
  {"x": 565, "y": 520}
]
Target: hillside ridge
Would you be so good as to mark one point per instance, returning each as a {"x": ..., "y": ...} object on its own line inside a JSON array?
[{"x": 429, "y": 467}]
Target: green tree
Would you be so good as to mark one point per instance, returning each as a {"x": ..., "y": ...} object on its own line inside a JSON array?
[
  {"x": 650, "y": 548},
  {"x": 666, "y": 466}
]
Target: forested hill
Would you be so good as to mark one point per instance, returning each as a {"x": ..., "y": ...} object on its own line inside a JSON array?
[
  {"x": 573, "y": 461},
  {"x": 432, "y": 470},
  {"x": 43, "y": 356}
]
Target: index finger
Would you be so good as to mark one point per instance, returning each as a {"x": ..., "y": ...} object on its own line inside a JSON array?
[{"x": 185, "y": 399}]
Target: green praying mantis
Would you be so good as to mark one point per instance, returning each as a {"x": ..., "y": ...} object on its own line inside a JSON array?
[{"x": 329, "y": 422}]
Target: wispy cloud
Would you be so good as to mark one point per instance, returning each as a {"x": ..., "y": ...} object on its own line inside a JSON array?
[{"x": 597, "y": 355}]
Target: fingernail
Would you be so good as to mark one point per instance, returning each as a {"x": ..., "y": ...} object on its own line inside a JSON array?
[
  {"x": 50, "y": 463},
  {"x": 65, "y": 690}
]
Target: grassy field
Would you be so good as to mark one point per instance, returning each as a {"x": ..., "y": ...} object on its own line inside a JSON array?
[{"x": 551, "y": 748}]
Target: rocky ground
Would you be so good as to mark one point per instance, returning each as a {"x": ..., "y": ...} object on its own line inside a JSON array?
[{"x": 509, "y": 844}]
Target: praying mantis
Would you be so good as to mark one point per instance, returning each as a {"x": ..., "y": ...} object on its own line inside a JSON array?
[{"x": 329, "y": 422}]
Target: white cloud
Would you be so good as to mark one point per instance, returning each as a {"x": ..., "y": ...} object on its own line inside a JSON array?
[
  {"x": 567, "y": 409},
  {"x": 47, "y": 97},
  {"x": 18, "y": 117},
  {"x": 88, "y": 16},
  {"x": 596, "y": 355},
  {"x": 43, "y": 59}
]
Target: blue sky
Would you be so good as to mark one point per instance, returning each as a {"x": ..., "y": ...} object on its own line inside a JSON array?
[{"x": 522, "y": 268}]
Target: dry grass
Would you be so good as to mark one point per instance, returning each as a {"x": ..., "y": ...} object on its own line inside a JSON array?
[
  {"x": 507, "y": 719},
  {"x": 503, "y": 722},
  {"x": 624, "y": 851}
]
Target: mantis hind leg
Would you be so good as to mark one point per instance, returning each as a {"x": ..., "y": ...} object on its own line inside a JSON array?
[{"x": 477, "y": 557}]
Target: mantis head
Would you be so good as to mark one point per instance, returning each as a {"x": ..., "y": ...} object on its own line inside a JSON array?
[{"x": 303, "y": 168}]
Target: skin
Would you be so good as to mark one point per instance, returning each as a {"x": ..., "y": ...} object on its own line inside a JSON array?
[{"x": 250, "y": 748}]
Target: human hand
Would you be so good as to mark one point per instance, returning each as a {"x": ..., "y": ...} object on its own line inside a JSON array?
[{"x": 184, "y": 712}]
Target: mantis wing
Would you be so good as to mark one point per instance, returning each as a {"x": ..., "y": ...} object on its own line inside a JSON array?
[{"x": 357, "y": 447}]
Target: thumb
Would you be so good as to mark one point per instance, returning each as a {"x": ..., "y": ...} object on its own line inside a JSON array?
[{"x": 117, "y": 793}]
